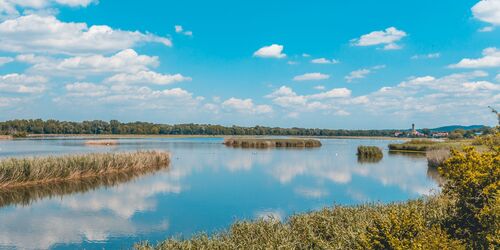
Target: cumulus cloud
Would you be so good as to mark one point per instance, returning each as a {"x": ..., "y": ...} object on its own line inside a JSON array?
[
  {"x": 20, "y": 83},
  {"x": 47, "y": 34},
  {"x": 311, "y": 77},
  {"x": 490, "y": 59},
  {"x": 85, "y": 89},
  {"x": 362, "y": 73},
  {"x": 147, "y": 77},
  {"x": 323, "y": 60},
  {"x": 124, "y": 61},
  {"x": 246, "y": 106},
  {"x": 272, "y": 51},
  {"x": 180, "y": 30},
  {"x": 487, "y": 11},
  {"x": 387, "y": 37},
  {"x": 9, "y": 8}
]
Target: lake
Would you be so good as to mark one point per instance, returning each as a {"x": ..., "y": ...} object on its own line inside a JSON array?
[{"x": 206, "y": 188}]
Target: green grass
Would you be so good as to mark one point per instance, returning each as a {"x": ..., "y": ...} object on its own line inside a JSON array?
[
  {"x": 39, "y": 170},
  {"x": 268, "y": 143},
  {"x": 338, "y": 227},
  {"x": 422, "y": 145}
]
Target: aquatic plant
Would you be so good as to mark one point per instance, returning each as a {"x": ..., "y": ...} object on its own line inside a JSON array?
[
  {"x": 267, "y": 143},
  {"x": 369, "y": 154},
  {"x": 437, "y": 157},
  {"x": 37, "y": 170}
]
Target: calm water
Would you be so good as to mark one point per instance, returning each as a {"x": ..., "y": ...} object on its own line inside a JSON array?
[{"x": 206, "y": 188}]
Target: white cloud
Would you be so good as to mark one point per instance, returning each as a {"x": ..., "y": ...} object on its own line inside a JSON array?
[
  {"x": 487, "y": 11},
  {"x": 180, "y": 30},
  {"x": 311, "y": 77},
  {"x": 285, "y": 97},
  {"x": 357, "y": 74},
  {"x": 426, "y": 56},
  {"x": 147, "y": 77},
  {"x": 324, "y": 61},
  {"x": 5, "y": 60},
  {"x": 246, "y": 106},
  {"x": 387, "y": 37},
  {"x": 497, "y": 78},
  {"x": 334, "y": 93},
  {"x": 86, "y": 89},
  {"x": 20, "y": 83},
  {"x": 319, "y": 87},
  {"x": 9, "y": 8},
  {"x": 9, "y": 101},
  {"x": 272, "y": 51},
  {"x": 490, "y": 59},
  {"x": 362, "y": 73},
  {"x": 47, "y": 34},
  {"x": 305, "y": 55},
  {"x": 486, "y": 29},
  {"x": 124, "y": 61}
]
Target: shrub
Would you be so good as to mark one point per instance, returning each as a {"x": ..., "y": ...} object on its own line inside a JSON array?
[
  {"x": 369, "y": 152},
  {"x": 473, "y": 180}
]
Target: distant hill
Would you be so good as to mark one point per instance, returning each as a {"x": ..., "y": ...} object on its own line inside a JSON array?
[{"x": 455, "y": 127}]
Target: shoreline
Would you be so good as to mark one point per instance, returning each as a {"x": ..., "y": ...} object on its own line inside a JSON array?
[{"x": 142, "y": 136}]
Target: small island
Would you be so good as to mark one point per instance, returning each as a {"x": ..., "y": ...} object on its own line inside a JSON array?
[{"x": 272, "y": 143}]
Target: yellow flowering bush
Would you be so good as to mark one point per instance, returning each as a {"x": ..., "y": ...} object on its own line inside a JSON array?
[{"x": 473, "y": 181}]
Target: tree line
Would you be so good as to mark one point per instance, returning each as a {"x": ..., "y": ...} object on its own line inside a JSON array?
[{"x": 39, "y": 126}]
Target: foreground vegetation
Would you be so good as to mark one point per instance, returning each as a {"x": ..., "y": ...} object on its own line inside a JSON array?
[
  {"x": 38, "y": 170},
  {"x": 466, "y": 215},
  {"x": 271, "y": 143}
]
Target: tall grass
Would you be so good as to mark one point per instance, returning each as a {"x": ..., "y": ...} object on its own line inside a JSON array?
[
  {"x": 267, "y": 143},
  {"x": 339, "y": 227},
  {"x": 369, "y": 154},
  {"x": 437, "y": 157},
  {"x": 37, "y": 170}
]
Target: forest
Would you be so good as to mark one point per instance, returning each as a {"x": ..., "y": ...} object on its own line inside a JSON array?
[{"x": 39, "y": 126}]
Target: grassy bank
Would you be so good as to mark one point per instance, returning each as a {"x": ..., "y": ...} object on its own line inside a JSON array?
[
  {"x": 339, "y": 227},
  {"x": 38, "y": 170},
  {"x": 269, "y": 143},
  {"x": 422, "y": 145}
]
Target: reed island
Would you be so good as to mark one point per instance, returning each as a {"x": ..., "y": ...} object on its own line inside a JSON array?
[
  {"x": 16, "y": 172},
  {"x": 272, "y": 143}
]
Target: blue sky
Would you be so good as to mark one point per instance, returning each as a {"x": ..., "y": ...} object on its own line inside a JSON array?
[{"x": 328, "y": 64}]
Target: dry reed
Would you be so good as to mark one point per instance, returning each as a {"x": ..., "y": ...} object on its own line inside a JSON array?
[
  {"x": 437, "y": 157},
  {"x": 39, "y": 170},
  {"x": 270, "y": 143},
  {"x": 101, "y": 142}
]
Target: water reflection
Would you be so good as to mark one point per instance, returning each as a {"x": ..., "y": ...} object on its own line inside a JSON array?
[
  {"x": 26, "y": 195},
  {"x": 206, "y": 188}
]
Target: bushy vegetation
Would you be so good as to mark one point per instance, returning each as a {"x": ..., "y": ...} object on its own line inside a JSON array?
[
  {"x": 37, "y": 170},
  {"x": 370, "y": 152},
  {"x": 39, "y": 126},
  {"x": 464, "y": 216},
  {"x": 436, "y": 157},
  {"x": 267, "y": 143}
]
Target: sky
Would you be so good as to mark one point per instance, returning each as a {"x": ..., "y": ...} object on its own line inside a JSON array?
[{"x": 317, "y": 64}]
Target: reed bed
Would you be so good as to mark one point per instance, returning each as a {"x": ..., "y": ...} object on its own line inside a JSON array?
[
  {"x": 369, "y": 154},
  {"x": 423, "y": 145},
  {"x": 40, "y": 170},
  {"x": 27, "y": 194},
  {"x": 339, "y": 227},
  {"x": 271, "y": 143},
  {"x": 436, "y": 157},
  {"x": 101, "y": 142}
]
